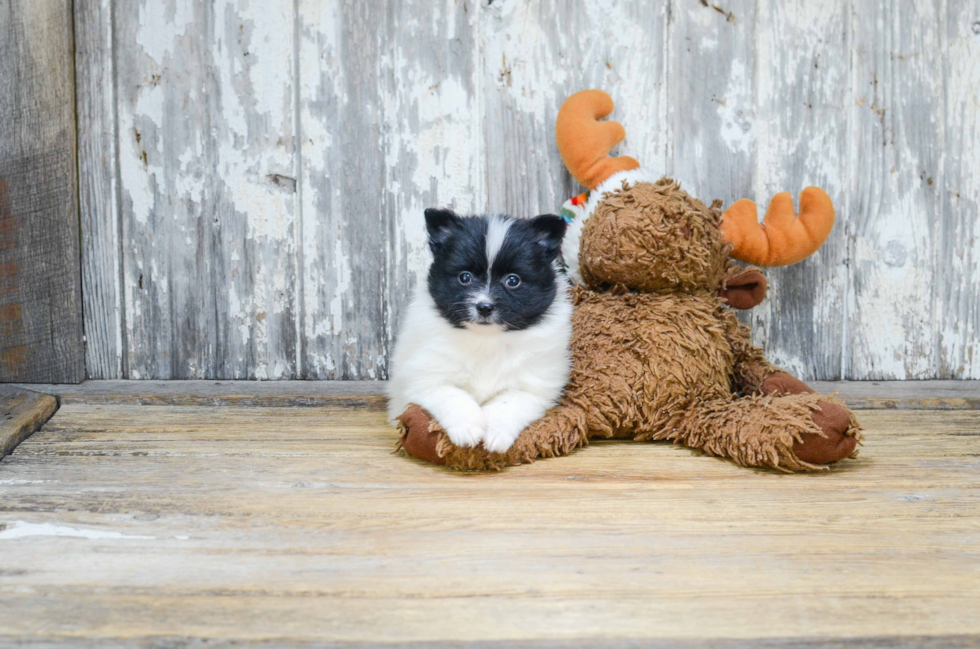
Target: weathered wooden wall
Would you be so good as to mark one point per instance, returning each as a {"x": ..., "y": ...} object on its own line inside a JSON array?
[
  {"x": 40, "y": 287},
  {"x": 253, "y": 175}
]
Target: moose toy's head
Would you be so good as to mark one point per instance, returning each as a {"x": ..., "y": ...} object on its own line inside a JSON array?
[{"x": 646, "y": 234}]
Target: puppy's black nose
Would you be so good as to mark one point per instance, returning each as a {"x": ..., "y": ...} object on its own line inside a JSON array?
[{"x": 484, "y": 309}]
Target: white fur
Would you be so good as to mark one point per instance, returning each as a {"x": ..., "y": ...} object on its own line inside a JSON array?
[
  {"x": 497, "y": 227},
  {"x": 573, "y": 235},
  {"x": 481, "y": 383}
]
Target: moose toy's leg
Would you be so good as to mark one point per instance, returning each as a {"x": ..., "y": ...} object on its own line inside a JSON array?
[
  {"x": 560, "y": 431},
  {"x": 839, "y": 431},
  {"x": 762, "y": 430}
]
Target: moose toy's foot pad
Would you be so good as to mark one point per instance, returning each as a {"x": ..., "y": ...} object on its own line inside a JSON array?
[
  {"x": 840, "y": 432},
  {"x": 420, "y": 435},
  {"x": 838, "y": 442}
]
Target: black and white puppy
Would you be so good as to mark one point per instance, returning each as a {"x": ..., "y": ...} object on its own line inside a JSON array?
[{"x": 484, "y": 346}]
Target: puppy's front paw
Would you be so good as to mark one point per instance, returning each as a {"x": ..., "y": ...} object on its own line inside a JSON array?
[
  {"x": 466, "y": 429},
  {"x": 500, "y": 436}
]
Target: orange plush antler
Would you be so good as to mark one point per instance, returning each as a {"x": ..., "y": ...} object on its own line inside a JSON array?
[
  {"x": 782, "y": 238},
  {"x": 584, "y": 142}
]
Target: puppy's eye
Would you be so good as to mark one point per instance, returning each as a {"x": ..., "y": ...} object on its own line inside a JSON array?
[
  {"x": 465, "y": 278},
  {"x": 512, "y": 281}
]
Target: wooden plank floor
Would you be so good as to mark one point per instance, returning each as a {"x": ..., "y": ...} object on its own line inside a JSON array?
[
  {"x": 292, "y": 525},
  {"x": 21, "y": 413}
]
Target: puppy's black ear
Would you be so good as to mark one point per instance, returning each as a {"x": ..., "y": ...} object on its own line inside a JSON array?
[
  {"x": 548, "y": 231},
  {"x": 441, "y": 225}
]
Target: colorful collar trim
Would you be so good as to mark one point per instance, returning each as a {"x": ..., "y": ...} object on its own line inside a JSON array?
[{"x": 574, "y": 207}]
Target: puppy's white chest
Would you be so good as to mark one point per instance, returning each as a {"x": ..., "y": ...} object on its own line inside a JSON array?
[{"x": 487, "y": 374}]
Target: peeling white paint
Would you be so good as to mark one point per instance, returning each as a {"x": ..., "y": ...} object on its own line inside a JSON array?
[
  {"x": 736, "y": 110},
  {"x": 341, "y": 287},
  {"x": 453, "y": 104},
  {"x": 893, "y": 320},
  {"x": 159, "y": 43},
  {"x": 960, "y": 326},
  {"x": 327, "y": 266}
]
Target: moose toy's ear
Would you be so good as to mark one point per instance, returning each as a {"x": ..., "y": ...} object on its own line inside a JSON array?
[
  {"x": 744, "y": 288},
  {"x": 548, "y": 231},
  {"x": 441, "y": 224}
]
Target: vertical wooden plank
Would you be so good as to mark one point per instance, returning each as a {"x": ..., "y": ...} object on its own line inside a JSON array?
[
  {"x": 432, "y": 133},
  {"x": 95, "y": 97},
  {"x": 208, "y": 188},
  {"x": 633, "y": 39},
  {"x": 252, "y": 106},
  {"x": 535, "y": 54},
  {"x": 803, "y": 99},
  {"x": 162, "y": 76},
  {"x": 40, "y": 304},
  {"x": 713, "y": 109},
  {"x": 958, "y": 272},
  {"x": 524, "y": 83},
  {"x": 897, "y": 145},
  {"x": 344, "y": 224}
]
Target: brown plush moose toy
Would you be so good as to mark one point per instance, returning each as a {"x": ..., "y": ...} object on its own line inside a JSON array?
[{"x": 657, "y": 351}]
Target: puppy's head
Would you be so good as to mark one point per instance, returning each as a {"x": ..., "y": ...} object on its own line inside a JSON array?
[{"x": 493, "y": 272}]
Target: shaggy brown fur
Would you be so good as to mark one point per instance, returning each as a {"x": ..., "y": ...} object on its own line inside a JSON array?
[{"x": 659, "y": 355}]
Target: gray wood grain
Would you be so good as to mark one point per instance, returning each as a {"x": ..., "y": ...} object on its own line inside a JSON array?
[
  {"x": 167, "y": 243},
  {"x": 521, "y": 96},
  {"x": 958, "y": 269},
  {"x": 344, "y": 247},
  {"x": 207, "y": 166},
  {"x": 713, "y": 111},
  {"x": 861, "y": 395},
  {"x": 347, "y": 394},
  {"x": 141, "y": 523},
  {"x": 895, "y": 191},
  {"x": 802, "y": 98},
  {"x": 40, "y": 302},
  {"x": 182, "y": 642},
  {"x": 269, "y": 221},
  {"x": 98, "y": 191}
]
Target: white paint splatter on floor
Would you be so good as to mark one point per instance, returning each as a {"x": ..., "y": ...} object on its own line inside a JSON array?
[{"x": 22, "y": 529}]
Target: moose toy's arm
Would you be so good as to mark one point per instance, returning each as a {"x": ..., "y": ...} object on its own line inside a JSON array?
[
  {"x": 745, "y": 288},
  {"x": 751, "y": 367}
]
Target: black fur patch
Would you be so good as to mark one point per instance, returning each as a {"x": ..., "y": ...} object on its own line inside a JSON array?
[{"x": 459, "y": 245}]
